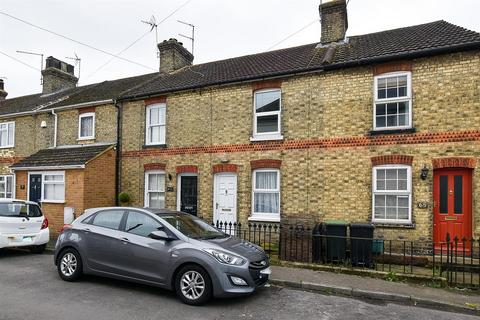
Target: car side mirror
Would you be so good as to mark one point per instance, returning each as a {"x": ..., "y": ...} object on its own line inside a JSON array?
[{"x": 161, "y": 235}]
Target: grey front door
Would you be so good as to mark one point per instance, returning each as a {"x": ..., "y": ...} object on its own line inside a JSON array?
[{"x": 35, "y": 188}]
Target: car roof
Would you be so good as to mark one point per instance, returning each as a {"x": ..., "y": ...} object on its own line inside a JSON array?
[
  {"x": 5, "y": 200},
  {"x": 156, "y": 211}
]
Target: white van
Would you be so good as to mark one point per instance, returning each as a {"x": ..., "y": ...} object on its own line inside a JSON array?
[{"x": 22, "y": 224}]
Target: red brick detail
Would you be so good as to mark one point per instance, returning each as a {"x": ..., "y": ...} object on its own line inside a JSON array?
[
  {"x": 392, "y": 159},
  {"x": 392, "y": 67},
  {"x": 187, "y": 169},
  {"x": 154, "y": 166},
  {"x": 454, "y": 162},
  {"x": 224, "y": 167},
  {"x": 86, "y": 110},
  {"x": 161, "y": 99},
  {"x": 265, "y": 163},
  {"x": 272, "y": 84},
  {"x": 10, "y": 160},
  {"x": 323, "y": 143}
]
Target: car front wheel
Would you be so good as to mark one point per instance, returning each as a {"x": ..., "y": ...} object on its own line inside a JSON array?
[
  {"x": 193, "y": 285},
  {"x": 69, "y": 265}
]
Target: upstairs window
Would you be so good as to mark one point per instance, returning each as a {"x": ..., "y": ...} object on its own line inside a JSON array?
[
  {"x": 393, "y": 101},
  {"x": 267, "y": 114},
  {"x": 155, "y": 124},
  {"x": 392, "y": 194},
  {"x": 86, "y": 125},
  {"x": 7, "y": 134}
]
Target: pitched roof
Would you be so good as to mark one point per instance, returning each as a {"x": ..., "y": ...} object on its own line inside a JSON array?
[
  {"x": 409, "y": 42},
  {"x": 83, "y": 94},
  {"x": 61, "y": 157}
]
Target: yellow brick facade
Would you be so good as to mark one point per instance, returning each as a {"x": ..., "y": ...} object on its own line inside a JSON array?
[{"x": 319, "y": 181}]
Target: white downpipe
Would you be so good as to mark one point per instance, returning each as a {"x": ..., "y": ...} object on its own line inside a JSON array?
[{"x": 55, "y": 129}]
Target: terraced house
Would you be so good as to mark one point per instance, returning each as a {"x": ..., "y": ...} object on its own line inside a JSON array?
[
  {"x": 58, "y": 146},
  {"x": 382, "y": 127}
]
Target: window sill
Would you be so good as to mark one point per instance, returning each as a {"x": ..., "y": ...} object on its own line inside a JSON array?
[
  {"x": 270, "y": 137},
  {"x": 161, "y": 146},
  {"x": 7, "y": 147},
  {"x": 53, "y": 201},
  {"x": 264, "y": 218},
  {"x": 393, "y": 225},
  {"x": 85, "y": 138},
  {"x": 391, "y": 131}
]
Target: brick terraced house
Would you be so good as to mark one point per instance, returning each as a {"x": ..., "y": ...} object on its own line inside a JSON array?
[
  {"x": 382, "y": 127},
  {"x": 58, "y": 147}
]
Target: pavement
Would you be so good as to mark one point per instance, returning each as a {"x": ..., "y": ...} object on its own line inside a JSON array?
[
  {"x": 30, "y": 288},
  {"x": 455, "y": 300}
]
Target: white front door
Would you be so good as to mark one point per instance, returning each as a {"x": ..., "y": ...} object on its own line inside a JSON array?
[{"x": 225, "y": 198}]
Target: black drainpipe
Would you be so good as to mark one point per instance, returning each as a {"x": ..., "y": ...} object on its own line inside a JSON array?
[{"x": 118, "y": 162}]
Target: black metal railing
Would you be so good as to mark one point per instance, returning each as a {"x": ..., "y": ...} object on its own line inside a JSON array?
[{"x": 456, "y": 260}]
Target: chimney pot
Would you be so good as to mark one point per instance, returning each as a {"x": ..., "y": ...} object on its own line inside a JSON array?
[
  {"x": 173, "y": 55},
  {"x": 58, "y": 75},
  {"x": 334, "y": 21},
  {"x": 3, "y": 93}
]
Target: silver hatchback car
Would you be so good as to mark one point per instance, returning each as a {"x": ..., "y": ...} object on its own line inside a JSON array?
[{"x": 168, "y": 249}]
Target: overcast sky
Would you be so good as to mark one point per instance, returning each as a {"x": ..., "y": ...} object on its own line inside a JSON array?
[{"x": 224, "y": 29}]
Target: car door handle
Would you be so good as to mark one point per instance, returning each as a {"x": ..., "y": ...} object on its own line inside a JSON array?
[
  {"x": 86, "y": 230},
  {"x": 125, "y": 239}
]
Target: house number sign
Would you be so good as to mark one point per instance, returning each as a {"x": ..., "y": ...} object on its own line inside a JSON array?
[{"x": 423, "y": 205}]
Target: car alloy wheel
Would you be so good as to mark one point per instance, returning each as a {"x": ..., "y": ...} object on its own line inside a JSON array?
[
  {"x": 68, "y": 265},
  {"x": 192, "y": 285}
]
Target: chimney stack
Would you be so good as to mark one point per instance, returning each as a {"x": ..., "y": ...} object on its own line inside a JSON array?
[
  {"x": 333, "y": 16},
  {"x": 173, "y": 56},
  {"x": 58, "y": 75},
  {"x": 3, "y": 93}
]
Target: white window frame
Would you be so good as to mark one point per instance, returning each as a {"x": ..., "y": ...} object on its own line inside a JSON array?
[
  {"x": 146, "y": 201},
  {"x": 407, "y": 192},
  {"x": 80, "y": 117},
  {"x": 44, "y": 182},
  {"x": 274, "y": 135},
  {"x": 6, "y": 125},
  {"x": 5, "y": 177},
  {"x": 265, "y": 216},
  {"x": 407, "y": 98},
  {"x": 148, "y": 137}
]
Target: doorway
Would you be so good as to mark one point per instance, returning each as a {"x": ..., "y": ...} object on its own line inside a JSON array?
[
  {"x": 187, "y": 193},
  {"x": 225, "y": 198}
]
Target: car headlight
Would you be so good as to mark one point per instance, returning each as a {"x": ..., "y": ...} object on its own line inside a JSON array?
[{"x": 225, "y": 258}]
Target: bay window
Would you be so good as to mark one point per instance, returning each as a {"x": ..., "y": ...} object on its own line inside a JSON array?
[
  {"x": 155, "y": 189},
  {"x": 393, "y": 101},
  {"x": 266, "y": 194},
  {"x": 6, "y": 186},
  {"x": 392, "y": 194},
  {"x": 155, "y": 124}
]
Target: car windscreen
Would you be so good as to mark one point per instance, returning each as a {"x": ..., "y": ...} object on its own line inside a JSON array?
[
  {"x": 193, "y": 227},
  {"x": 19, "y": 210}
]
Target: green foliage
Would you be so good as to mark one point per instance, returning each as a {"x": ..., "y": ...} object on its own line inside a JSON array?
[
  {"x": 392, "y": 277},
  {"x": 124, "y": 197}
]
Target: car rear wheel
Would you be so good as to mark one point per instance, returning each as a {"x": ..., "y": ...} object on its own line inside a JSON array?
[
  {"x": 69, "y": 265},
  {"x": 38, "y": 249},
  {"x": 193, "y": 285}
]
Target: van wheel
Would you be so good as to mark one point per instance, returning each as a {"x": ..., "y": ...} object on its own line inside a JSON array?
[
  {"x": 38, "y": 249},
  {"x": 69, "y": 265},
  {"x": 193, "y": 285}
]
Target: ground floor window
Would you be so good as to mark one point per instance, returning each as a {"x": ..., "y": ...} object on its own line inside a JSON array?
[
  {"x": 155, "y": 189},
  {"x": 266, "y": 194},
  {"x": 392, "y": 194},
  {"x": 6, "y": 186},
  {"x": 53, "y": 187}
]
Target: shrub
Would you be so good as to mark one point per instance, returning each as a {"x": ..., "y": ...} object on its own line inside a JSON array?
[{"x": 124, "y": 197}]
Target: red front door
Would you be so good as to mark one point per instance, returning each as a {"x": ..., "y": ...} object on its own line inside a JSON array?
[{"x": 452, "y": 205}]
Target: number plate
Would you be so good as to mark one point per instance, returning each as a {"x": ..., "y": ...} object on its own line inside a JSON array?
[{"x": 27, "y": 239}]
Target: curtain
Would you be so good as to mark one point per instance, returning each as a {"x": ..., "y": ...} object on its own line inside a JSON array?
[
  {"x": 266, "y": 202},
  {"x": 266, "y": 180},
  {"x": 86, "y": 129}
]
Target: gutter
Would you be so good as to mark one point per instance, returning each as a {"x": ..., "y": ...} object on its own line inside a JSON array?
[
  {"x": 55, "y": 127},
  {"x": 66, "y": 167}
]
